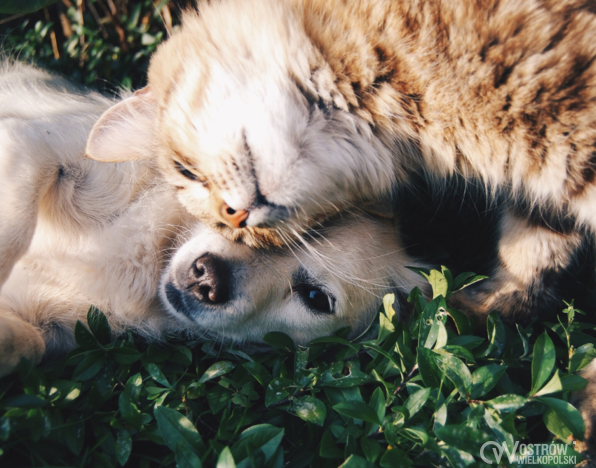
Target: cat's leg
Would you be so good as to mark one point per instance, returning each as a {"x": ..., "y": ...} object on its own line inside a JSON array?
[
  {"x": 585, "y": 401},
  {"x": 532, "y": 261}
]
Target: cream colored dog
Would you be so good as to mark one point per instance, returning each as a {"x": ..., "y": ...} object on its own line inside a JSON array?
[{"x": 75, "y": 232}]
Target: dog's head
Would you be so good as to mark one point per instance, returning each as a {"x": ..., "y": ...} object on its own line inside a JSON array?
[
  {"x": 248, "y": 124},
  {"x": 331, "y": 279}
]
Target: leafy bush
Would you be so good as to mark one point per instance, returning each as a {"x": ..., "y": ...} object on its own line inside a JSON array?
[
  {"x": 426, "y": 392},
  {"x": 103, "y": 43}
]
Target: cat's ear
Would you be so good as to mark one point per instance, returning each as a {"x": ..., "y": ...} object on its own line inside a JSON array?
[{"x": 126, "y": 131}]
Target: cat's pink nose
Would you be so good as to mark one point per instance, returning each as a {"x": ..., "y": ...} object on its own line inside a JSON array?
[{"x": 234, "y": 218}]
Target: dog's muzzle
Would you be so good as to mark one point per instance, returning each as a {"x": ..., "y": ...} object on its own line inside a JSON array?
[{"x": 207, "y": 283}]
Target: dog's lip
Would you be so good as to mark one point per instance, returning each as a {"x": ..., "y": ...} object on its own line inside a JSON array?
[{"x": 175, "y": 298}]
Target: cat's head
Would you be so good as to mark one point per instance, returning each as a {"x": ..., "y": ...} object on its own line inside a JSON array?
[{"x": 246, "y": 122}]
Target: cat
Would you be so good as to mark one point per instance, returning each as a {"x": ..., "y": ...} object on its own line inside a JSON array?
[
  {"x": 291, "y": 111},
  {"x": 268, "y": 117}
]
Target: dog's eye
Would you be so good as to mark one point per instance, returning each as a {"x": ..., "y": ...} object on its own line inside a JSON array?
[
  {"x": 185, "y": 172},
  {"x": 315, "y": 299}
]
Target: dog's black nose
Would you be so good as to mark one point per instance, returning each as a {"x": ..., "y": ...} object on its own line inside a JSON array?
[{"x": 209, "y": 280}]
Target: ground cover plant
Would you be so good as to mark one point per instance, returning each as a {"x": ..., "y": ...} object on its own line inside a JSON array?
[
  {"x": 102, "y": 43},
  {"x": 421, "y": 392}
]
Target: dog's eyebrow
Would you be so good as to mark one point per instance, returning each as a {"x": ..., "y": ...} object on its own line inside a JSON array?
[{"x": 302, "y": 276}]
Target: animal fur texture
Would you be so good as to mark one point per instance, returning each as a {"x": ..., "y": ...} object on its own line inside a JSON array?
[
  {"x": 76, "y": 232},
  {"x": 290, "y": 111}
]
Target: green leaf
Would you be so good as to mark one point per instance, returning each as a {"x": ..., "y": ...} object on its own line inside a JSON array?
[
  {"x": 386, "y": 328},
  {"x": 310, "y": 409},
  {"x": 280, "y": 340},
  {"x": 177, "y": 430},
  {"x": 123, "y": 447},
  {"x": 259, "y": 372},
  {"x": 456, "y": 371},
  {"x": 583, "y": 356},
  {"x": 128, "y": 399},
  {"x": 328, "y": 447},
  {"x": 23, "y": 6},
  {"x": 428, "y": 367},
  {"x": 277, "y": 390},
  {"x": 416, "y": 435},
  {"x": 562, "y": 414},
  {"x": 371, "y": 448},
  {"x": 428, "y": 323},
  {"x": 124, "y": 355},
  {"x": 466, "y": 279},
  {"x": 354, "y": 379},
  {"x": 543, "y": 362},
  {"x": 395, "y": 458},
  {"x": 134, "y": 16},
  {"x": 388, "y": 301},
  {"x": 442, "y": 336},
  {"x": 416, "y": 401},
  {"x": 507, "y": 403},
  {"x": 84, "y": 337},
  {"x": 225, "y": 459},
  {"x": 573, "y": 383},
  {"x": 99, "y": 326},
  {"x": 157, "y": 375},
  {"x": 263, "y": 437},
  {"x": 553, "y": 386},
  {"x": 484, "y": 379},
  {"x": 467, "y": 341},
  {"x": 24, "y": 401},
  {"x": 463, "y": 438},
  {"x": 496, "y": 336},
  {"x": 438, "y": 283},
  {"x": 524, "y": 339},
  {"x": 186, "y": 458},
  {"x": 300, "y": 363},
  {"x": 216, "y": 370},
  {"x": 461, "y": 320},
  {"x": 377, "y": 403},
  {"x": 89, "y": 367},
  {"x": 354, "y": 461},
  {"x": 357, "y": 410},
  {"x": 4, "y": 429},
  {"x": 334, "y": 340}
]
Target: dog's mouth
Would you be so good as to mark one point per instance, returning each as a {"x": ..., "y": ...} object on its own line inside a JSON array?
[{"x": 175, "y": 299}]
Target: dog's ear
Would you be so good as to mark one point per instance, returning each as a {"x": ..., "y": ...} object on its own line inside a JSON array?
[
  {"x": 126, "y": 131},
  {"x": 382, "y": 208}
]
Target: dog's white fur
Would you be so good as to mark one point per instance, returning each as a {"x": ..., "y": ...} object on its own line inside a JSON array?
[{"x": 76, "y": 232}]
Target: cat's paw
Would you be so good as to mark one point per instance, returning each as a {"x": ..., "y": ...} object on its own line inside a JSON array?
[
  {"x": 585, "y": 401},
  {"x": 18, "y": 339}
]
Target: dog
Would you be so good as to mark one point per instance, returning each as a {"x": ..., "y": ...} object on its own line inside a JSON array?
[{"x": 76, "y": 232}]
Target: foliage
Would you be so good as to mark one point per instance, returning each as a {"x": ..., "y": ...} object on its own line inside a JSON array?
[
  {"x": 88, "y": 40},
  {"x": 423, "y": 392}
]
